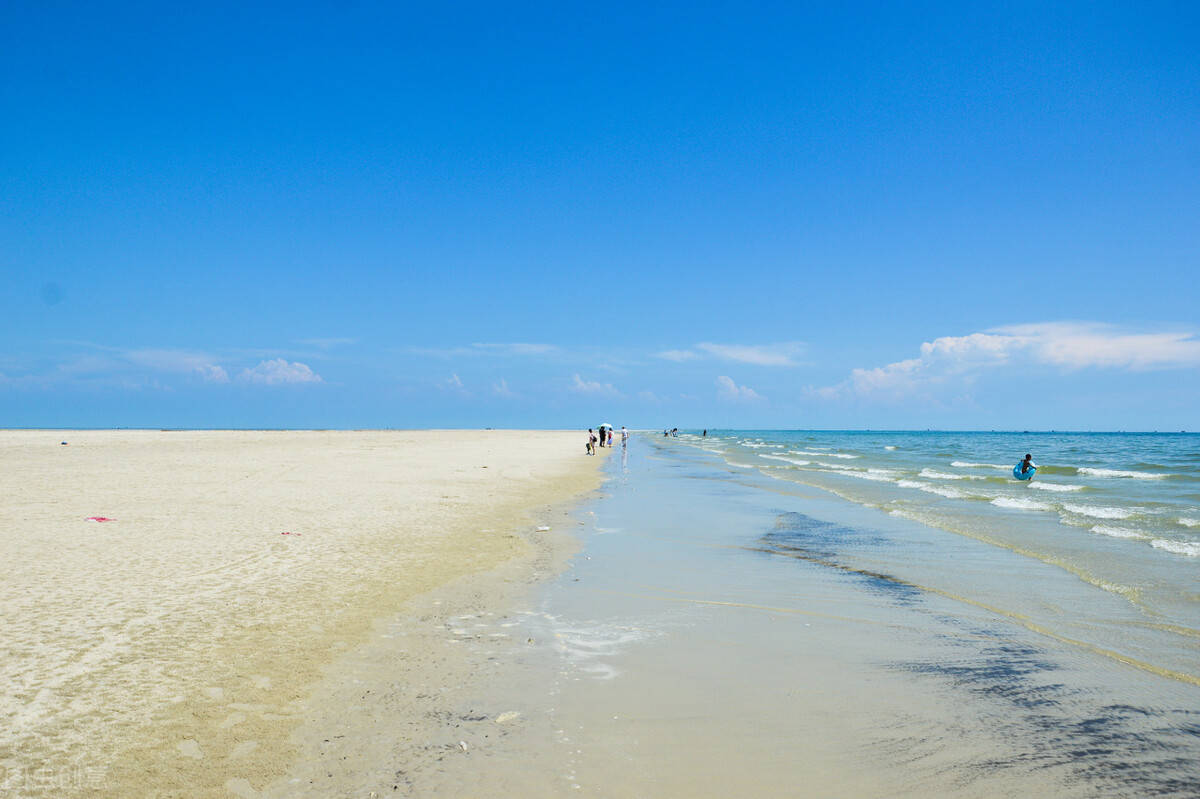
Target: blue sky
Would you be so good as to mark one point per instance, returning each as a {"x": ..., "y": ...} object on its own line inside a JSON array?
[{"x": 368, "y": 214}]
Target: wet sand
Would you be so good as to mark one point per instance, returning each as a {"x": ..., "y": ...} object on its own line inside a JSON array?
[
  {"x": 174, "y": 650},
  {"x": 719, "y": 633}
]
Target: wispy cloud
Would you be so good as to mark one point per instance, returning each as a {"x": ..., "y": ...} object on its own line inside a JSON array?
[
  {"x": 326, "y": 344},
  {"x": 779, "y": 354},
  {"x": 678, "y": 356},
  {"x": 279, "y": 372},
  {"x": 581, "y": 386},
  {"x": 730, "y": 391},
  {"x": 500, "y": 389},
  {"x": 491, "y": 349},
  {"x": 1067, "y": 345},
  {"x": 179, "y": 362}
]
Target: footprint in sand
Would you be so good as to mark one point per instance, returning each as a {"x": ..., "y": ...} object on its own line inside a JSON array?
[
  {"x": 188, "y": 747},
  {"x": 243, "y": 749},
  {"x": 232, "y": 719},
  {"x": 239, "y": 786}
]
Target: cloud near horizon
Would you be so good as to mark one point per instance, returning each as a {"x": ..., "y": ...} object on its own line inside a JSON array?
[
  {"x": 729, "y": 390},
  {"x": 581, "y": 386},
  {"x": 1070, "y": 346},
  {"x": 279, "y": 372},
  {"x": 779, "y": 354}
]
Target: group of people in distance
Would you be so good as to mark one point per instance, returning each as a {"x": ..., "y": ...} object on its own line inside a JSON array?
[{"x": 603, "y": 436}]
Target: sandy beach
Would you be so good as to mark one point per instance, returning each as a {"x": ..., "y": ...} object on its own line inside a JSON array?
[{"x": 174, "y": 648}]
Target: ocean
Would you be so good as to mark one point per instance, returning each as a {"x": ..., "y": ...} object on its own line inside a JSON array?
[
  {"x": 1117, "y": 514},
  {"x": 864, "y": 614},
  {"x": 859, "y": 614}
]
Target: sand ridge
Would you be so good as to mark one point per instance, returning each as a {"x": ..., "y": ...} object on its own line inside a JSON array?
[{"x": 169, "y": 652}]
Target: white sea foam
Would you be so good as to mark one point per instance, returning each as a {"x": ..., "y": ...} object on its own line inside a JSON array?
[
  {"x": 842, "y": 455},
  {"x": 930, "y": 488},
  {"x": 945, "y": 491},
  {"x": 792, "y": 461},
  {"x": 839, "y": 466},
  {"x": 1189, "y": 522},
  {"x": 966, "y": 465},
  {"x": 1098, "y": 511},
  {"x": 877, "y": 475},
  {"x": 1019, "y": 504},
  {"x": 1189, "y": 548},
  {"x": 1117, "y": 532},
  {"x": 934, "y": 475},
  {"x": 890, "y": 446},
  {"x": 1119, "y": 473},
  {"x": 1057, "y": 487}
]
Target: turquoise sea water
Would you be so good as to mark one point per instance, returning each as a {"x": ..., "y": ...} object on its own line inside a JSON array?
[
  {"x": 1116, "y": 514},
  {"x": 862, "y": 615}
]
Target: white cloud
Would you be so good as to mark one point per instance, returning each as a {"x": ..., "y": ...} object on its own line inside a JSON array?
[
  {"x": 1067, "y": 345},
  {"x": 727, "y": 389},
  {"x": 327, "y": 343},
  {"x": 679, "y": 356},
  {"x": 581, "y": 386},
  {"x": 490, "y": 349},
  {"x": 279, "y": 372},
  {"x": 649, "y": 396},
  {"x": 500, "y": 389},
  {"x": 179, "y": 361},
  {"x": 453, "y": 384},
  {"x": 782, "y": 354}
]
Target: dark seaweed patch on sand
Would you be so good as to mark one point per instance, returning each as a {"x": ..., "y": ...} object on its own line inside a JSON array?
[{"x": 819, "y": 542}]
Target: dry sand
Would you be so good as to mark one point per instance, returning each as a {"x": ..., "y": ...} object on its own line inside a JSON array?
[{"x": 175, "y": 650}]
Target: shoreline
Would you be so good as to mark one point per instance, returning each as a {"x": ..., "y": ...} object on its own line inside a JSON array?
[{"x": 185, "y": 637}]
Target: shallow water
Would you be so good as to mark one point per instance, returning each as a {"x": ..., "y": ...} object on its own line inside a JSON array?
[{"x": 724, "y": 631}]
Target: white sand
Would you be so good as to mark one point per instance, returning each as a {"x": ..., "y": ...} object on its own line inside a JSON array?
[{"x": 171, "y": 651}]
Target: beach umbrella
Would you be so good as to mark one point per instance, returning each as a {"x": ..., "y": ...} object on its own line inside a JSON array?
[{"x": 606, "y": 424}]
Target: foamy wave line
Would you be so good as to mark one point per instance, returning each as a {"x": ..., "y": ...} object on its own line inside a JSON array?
[
  {"x": 839, "y": 467},
  {"x": 1019, "y": 504},
  {"x": 1119, "y": 473},
  {"x": 930, "y": 488},
  {"x": 1189, "y": 522},
  {"x": 1042, "y": 486},
  {"x": 890, "y": 446},
  {"x": 966, "y": 465},
  {"x": 842, "y": 455},
  {"x": 934, "y": 475},
  {"x": 792, "y": 461},
  {"x": 876, "y": 475},
  {"x": 1189, "y": 548},
  {"x": 1116, "y": 532},
  {"x": 1098, "y": 511}
]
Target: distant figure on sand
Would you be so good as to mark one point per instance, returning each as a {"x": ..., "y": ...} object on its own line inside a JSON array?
[
  {"x": 591, "y": 444},
  {"x": 705, "y": 433},
  {"x": 610, "y": 435},
  {"x": 624, "y": 436}
]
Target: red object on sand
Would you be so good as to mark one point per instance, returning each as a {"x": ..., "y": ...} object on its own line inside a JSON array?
[
  {"x": 99, "y": 519},
  {"x": 289, "y": 532}
]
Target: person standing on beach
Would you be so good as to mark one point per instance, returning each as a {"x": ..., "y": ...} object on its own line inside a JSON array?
[
  {"x": 591, "y": 444},
  {"x": 610, "y": 435},
  {"x": 624, "y": 436}
]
